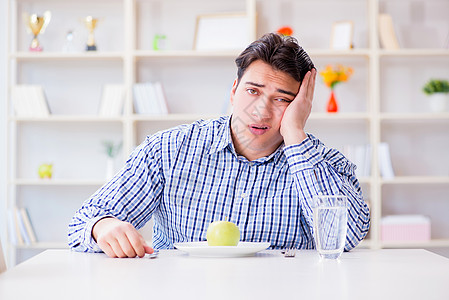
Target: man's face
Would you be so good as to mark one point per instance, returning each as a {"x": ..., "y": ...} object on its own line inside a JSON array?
[{"x": 259, "y": 102}]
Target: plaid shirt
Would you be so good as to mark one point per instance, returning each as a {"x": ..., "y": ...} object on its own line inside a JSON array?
[{"x": 189, "y": 176}]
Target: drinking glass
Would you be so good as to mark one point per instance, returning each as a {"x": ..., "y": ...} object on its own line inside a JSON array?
[{"x": 330, "y": 219}]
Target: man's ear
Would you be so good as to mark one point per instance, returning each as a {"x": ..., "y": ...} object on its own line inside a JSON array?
[{"x": 234, "y": 87}]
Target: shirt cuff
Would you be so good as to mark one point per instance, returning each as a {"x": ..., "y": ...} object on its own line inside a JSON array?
[
  {"x": 89, "y": 241},
  {"x": 302, "y": 156}
]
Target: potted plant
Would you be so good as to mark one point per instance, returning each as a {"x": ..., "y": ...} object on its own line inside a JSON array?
[
  {"x": 438, "y": 92},
  {"x": 111, "y": 150}
]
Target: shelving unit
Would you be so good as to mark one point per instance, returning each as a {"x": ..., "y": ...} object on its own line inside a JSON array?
[{"x": 381, "y": 103}]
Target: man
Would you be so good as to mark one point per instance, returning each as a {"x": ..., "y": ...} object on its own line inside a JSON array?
[{"x": 257, "y": 168}]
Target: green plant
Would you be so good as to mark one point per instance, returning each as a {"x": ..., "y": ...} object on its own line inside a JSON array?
[
  {"x": 111, "y": 149},
  {"x": 436, "y": 86}
]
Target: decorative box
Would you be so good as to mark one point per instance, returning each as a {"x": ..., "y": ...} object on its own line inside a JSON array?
[{"x": 405, "y": 228}]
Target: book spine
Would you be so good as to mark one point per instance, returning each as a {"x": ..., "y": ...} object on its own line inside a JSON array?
[
  {"x": 160, "y": 96},
  {"x": 20, "y": 241},
  {"x": 23, "y": 230},
  {"x": 12, "y": 227},
  {"x": 386, "y": 168},
  {"x": 27, "y": 222}
]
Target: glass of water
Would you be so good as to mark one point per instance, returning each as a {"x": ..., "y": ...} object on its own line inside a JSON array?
[{"x": 330, "y": 219}]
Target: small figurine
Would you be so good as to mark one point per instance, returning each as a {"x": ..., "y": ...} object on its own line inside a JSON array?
[{"x": 45, "y": 171}]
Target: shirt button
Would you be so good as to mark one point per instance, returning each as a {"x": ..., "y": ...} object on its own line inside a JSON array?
[
  {"x": 307, "y": 155},
  {"x": 244, "y": 195},
  {"x": 251, "y": 164}
]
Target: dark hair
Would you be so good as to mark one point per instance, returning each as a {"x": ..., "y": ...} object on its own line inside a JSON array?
[{"x": 283, "y": 53}]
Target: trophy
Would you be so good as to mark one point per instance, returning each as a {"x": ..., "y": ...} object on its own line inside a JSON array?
[
  {"x": 36, "y": 25},
  {"x": 90, "y": 23}
]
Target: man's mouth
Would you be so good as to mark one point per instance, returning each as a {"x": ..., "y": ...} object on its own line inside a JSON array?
[{"x": 258, "y": 129}]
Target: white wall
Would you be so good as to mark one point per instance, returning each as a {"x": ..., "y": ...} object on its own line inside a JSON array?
[{"x": 3, "y": 60}]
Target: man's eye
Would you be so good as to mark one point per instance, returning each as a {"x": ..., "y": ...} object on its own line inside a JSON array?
[
  {"x": 282, "y": 100},
  {"x": 252, "y": 91}
]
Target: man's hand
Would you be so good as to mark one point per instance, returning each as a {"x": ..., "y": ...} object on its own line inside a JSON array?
[
  {"x": 119, "y": 239},
  {"x": 298, "y": 111}
]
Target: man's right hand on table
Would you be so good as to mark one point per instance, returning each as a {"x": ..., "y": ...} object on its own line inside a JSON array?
[{"x": 119, "y": 239}]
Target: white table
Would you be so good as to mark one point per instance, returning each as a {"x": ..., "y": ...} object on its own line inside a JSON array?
[{"x": 360, "y": 274}]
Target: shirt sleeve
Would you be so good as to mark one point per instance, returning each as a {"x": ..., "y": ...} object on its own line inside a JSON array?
[
  {"x": 320, "y": 170},
  {"x": 131, "y": 195}
]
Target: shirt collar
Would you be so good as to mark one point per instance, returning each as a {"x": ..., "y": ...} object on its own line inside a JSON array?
[{"x": 223, "y": 139}]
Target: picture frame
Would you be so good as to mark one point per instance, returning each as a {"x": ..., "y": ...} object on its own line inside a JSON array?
[
  {"x": 342, "y": 35},
  {"x": 221, "y": 32}
]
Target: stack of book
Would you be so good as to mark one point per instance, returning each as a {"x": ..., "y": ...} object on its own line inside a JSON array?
[
  {"x": 29, "y": 101},
  {"x": 112, "y": 100},
  {"x": 360, "y": 155},
  {"x": 21, "y": 231},
  {"x": 149, "y": 98}
]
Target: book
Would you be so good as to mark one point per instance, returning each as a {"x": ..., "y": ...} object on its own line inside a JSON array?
[
  {"x": 27, "y": 222},
  {"x": 18, "y": 234},
  {"x": 360, "y": 155},
  {"x": 160, "y": 96},
  {"x": 387, "y": 34},
  {"x": 149, "y": 98},
  {"x": 385, "y": 166},
  {"x": 12, "y": 227},
  {"x": 22, "y": 228},
  {"x": 112, "y": 100},
  {"x": 29, "y": 101}
]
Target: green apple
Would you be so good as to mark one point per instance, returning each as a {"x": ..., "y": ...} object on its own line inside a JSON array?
[
  {"x": 45, "y": 171},
  {"x": 222, "y": 233}
]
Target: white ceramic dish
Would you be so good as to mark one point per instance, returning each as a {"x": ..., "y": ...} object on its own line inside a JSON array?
[{"x": 201, "y": 249}]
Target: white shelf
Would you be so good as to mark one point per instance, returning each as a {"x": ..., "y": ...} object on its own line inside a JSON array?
[
  {"x": 44, "y": 245},
  {"x": 173, "y": 117},
  {"x": 68, "y": 118},
  {"x": 416, "y": 180},
  {"x": 435, "y": 243},
  {"x": 338, "y": 53},
  {"x": 414, "y": 52},
  {"x": 142, "y": 54},
  {"x": 340, "y": 116},
  {"x": 415, "y": 116},
  {"x": 37, "y": 56},
  {"x": 58, "y": 182}
]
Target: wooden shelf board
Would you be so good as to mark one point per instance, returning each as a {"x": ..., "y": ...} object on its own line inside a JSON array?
[
  {"x": 336, "y": 53},
  {"x": 414, "y": 116},
  {"x": 36, "y": 56},
  {"x": 416, "y": 180},
  {"x": 363, "y": 116},
  {"x": 414, "y": 52},
  {"x": 174, "y": 117},
  {"x": 58, "y": 182},
  {"x": 142, "y": 54},
  {"x": 68, "y": 118},
  {"x": 424, "y": 244},
  {"x": 44, "y": 245}
]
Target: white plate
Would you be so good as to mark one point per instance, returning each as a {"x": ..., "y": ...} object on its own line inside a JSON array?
[{"x": 201, "y": 249}]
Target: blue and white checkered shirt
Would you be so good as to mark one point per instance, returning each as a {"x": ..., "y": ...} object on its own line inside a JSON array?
[{"x": 189, "y": 176}]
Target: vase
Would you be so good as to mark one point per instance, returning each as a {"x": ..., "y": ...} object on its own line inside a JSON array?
[
  {"x": 109, "y": 168},
  {"x": 332, "y": 105},
  {"x": 438, "y": 102}
]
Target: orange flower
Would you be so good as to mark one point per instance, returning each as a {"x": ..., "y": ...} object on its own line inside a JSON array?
[
  {"x": 333, "y": 75},
  {"x": 285, "y": 30}
]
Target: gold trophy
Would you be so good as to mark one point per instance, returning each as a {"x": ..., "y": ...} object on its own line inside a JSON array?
[
  {"x": 36, "y": 25},
  {"x": 90, "y": 23}
]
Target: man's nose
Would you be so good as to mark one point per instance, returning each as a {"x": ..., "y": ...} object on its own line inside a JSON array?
[{"x": 263, "y": 108}]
